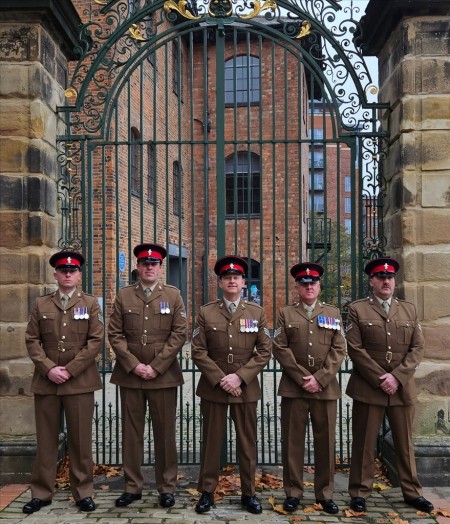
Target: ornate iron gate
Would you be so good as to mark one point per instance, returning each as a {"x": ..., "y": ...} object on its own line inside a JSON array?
[{"x": 212, "y": 127}]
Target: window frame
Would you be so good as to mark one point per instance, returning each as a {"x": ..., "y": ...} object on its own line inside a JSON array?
[
  {"x": 242, "y": 81},
  {"x": 239, "y": 182}
]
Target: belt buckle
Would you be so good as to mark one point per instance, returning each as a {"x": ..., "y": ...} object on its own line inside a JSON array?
[
  {"x": 230, "y": 358},
  {"x": 388, "y": 356},
  {"x": 310, "y": 361},
  {"x": 61, "y": 346},
  {"x": 144, "y": 340}
]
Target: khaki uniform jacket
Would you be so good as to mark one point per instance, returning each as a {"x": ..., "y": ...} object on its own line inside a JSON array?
[
  {"x": 303, "y": 348},
  {"x": 54, "y": 337},
  {"x": 223, "y": 344},
  {"x": 373, "y": 339},
  {"x": 148, "y": 330}
]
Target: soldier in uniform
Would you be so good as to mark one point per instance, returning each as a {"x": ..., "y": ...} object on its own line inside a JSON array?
[
  {"x": 385, "y": 343},
  {"x": 231, "y": 344},
  {"x": 147, "y": 330},
  {"x": 63, "y": 337},
  {"x": 310, "y": 346}
]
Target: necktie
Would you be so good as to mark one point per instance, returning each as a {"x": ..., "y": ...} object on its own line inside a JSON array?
[
  {"x": 148, "y": 291},
  {"x": 386, "y": 307},
  {"x": 232, "y": 308},
  {"x": 64, "y": 300},
  {"x": 309, "y": 310}
]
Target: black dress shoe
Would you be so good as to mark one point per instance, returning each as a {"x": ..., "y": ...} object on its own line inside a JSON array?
[
  {"x": 35, "y": 505},
  {"x": 205, "y": 502},
  {"x": 291, "y": 503},
  {"x": 421, "y": 504},
  {"x": 328, "y": 505},
  {"x": 127, "y": 498},
  {"x": 358, "y": 504},
  {"x": 86, "y": 504},
  {"x": 252, "y": 504},
  {"x": 166, "y": 500}
]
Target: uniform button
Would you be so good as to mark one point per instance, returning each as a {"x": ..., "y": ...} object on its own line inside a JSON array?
[
  {"x": 389, "y": 334},
  {"x": 311, "y": 321},
  {"x": 231, "y": 348},
  {"x": 310, "y": 344},
  {"x": 62, "y": 350},
  {"x": 145, "y": 331},
  {"x": 388, "y": 320},
  {"x": 146, "y": 305},
  {"x": 63, "y": 337},
  {"x": 44, "y": 316},
  {"x": 146, "y": 318},
  {"x": 231, "y": 323},
  {"x": 65, "y": 312},
  {"x": 389, "y": 347},
  {"x": 289, "y": 325},
  {"x": 129, "y": 311},
  {"x": 370, "y": 323},
  {"x": 214, "y": 329},
  {"x": 231, "y": 336},
  {"x": 311, "y": 332}
]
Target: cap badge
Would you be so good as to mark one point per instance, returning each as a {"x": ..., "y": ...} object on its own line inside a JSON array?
[
  {"x": 69, "y": 260},
  {"x": 386, "y": 266},
  {"x": 308, "y": 271},
  {"x": 232, "y": 265},
  {"x": 149, "y": 252}
]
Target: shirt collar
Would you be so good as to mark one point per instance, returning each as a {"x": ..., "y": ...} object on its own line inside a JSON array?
[{"x": 228, "y": 302}]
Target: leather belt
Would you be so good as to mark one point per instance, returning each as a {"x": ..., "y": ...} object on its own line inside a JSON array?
[
  {"x": 232, "y": 359},
  {"x": 62, "y": 346}
]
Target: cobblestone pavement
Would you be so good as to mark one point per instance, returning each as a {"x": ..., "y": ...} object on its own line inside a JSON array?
[{"x": 383, "y": 507}]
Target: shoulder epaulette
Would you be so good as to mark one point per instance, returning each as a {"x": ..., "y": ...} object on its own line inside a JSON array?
[
  {"x": 170, "y": 286},
  {"x": 249, "y": 303},
  {"x": 365, "y": 299},
  {"x": 329, "y": 305},
  {"x": 211, "y": 303},
  {"x": 49, "y": 294}
]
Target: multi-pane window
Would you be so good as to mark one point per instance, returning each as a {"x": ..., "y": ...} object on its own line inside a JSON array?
[
  {"x": 347, "y": 205},
  {"x": 243, "y": 184},
  {"x": 316, "y": 181},
  {"x": 176, "y": 64},
  {"x": 316, "y": 159},
  {"x": 317, "y": 204},
  {"x": 242, "y": 78},
  {"x": 151, "y": 173},
  {"x": 176, "y": 188},
  {"x": 135, "y": 162},
  {"x": 348, "y": 226},
  {"x": 347, "y": 184}
]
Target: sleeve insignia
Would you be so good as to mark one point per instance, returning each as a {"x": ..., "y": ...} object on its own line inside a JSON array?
[
  {"x": 267, "y": 332},
  {"x": 277, "y": 332},
  {"x": 349, "y": 327},
  {"x": 420, "y": 327},
  {"x": 196, "y": 332},
  {"x": 100, "y": 318},
  {"x": 183, "y": 314}
]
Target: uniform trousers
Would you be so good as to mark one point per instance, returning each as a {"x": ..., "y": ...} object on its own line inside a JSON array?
[
  {"x": 367, "y": 419},
  {"x": 294, "y": 421},
  {"x": 78, "y": 410},
  {"x": 162, "y": 405},
  {"x": 214, "y": 426}
]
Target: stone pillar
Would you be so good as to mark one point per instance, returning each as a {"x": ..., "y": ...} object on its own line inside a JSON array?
[
  {"x": 411, "y": 39},
  {"x": 36, "y": 41}
]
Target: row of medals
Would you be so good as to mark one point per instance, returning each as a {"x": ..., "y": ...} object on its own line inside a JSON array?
[
  {"x": 165, "y": 308},
  {"x": 248, "y": 325},
  {"x": 80, "y": 313},
  {"x": 328, "y": 322}
]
